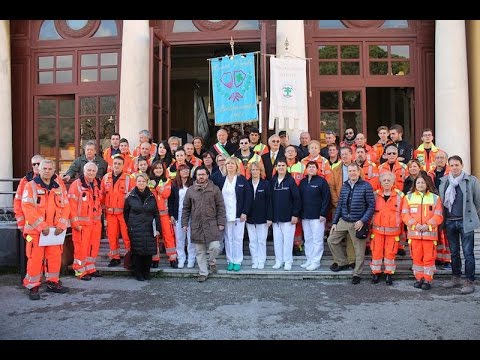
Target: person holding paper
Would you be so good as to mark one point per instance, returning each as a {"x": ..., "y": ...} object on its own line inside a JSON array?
[
  {"x": 85, "y": 216},
  {"x": 45, "y": 205}
]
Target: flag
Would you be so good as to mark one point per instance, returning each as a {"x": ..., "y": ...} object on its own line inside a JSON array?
[
  {"x": 234, "y": 90},
  {"x": 288, "y": 92}
]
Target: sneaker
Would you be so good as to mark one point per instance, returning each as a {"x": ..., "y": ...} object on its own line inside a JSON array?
[
  {"x": 312, "y": 267},
  {"x": 202, "y": 278},
  {"x": 181, "y": 264},
  {"x": 86, "y": 278},
  {"x": 388, "y": 279},
  {"x": 174, "y": 264},
  {"x": 56, "y": 287},
  {"x": 236, "y": 267},
  {"x": 254, "y": 266},
  {"x": 356, "y": 280},
  {"x": 287, "y": 267},
  {"x": 191, "y": 265},
  {"x": 305, "y": 264},
  {"x": 213, "y": 269},
  {"x": 155, "y": 264},
  {"x": 418, "y": 284},
  {"x": 230, "y": 267},
  {"x": 454, "y": 282},
  {"x": 277, "y": 265},
  {"x": 33, "y": 293},
  {"x": 467, "y": 288},
  {"x": 261, "y": 266},
  {"x": 426, "y": 285}
]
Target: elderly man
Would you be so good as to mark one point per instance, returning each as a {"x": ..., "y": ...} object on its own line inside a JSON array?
[
  {"x": 302, "y": 149},
  {"x": 145, "y": 136},
  {"x": 355, "y": 209},
  {"x": 270, "y": 159},
  {"x": 45, "y": 205},
  {"x": 89, "y": 154},
  {"x": 223, "y": 146}
]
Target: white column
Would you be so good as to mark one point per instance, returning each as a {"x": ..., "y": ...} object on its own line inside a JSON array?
[
  {"x": 134, "y": 84},
  {"x": 6, "y": 152},
  {"x": 293, "y": 31},
  {"x": 452, "y": 120}
]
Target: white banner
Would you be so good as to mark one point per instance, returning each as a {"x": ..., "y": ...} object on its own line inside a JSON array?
[{"x": 288, "y": 92}]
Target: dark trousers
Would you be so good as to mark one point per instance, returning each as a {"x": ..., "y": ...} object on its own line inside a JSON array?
[
  {"x": 454, "y": 234},
  {"x": 141, "y": 265}
]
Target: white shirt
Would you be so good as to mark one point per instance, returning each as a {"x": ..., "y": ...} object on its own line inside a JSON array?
[
  {"x": 255, "y": 185},
  {"x": 230, "y": 198},
  {"x": 181, "y": 197}
]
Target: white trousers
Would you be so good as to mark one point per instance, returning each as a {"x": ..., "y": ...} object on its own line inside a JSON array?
[
  {"x": 283, "y": 242},
  {"x": 180, "y": 237},
  {"x": 234, "y": 231},
  {"x": 313, "y": 231},
  {"x": 257, "y": 235}
]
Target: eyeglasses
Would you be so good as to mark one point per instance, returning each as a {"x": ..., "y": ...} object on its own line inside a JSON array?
[
  {"x": 275, "y": 141},
  {"x": 36, "y": 164},
  {"x": 220, "y": 160},
  {"x": 349, "y": 133},
  {"x": 391, "y": 153}
]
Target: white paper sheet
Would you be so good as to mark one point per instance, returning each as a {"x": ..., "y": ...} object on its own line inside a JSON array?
[{"x": 51, "y": 238}]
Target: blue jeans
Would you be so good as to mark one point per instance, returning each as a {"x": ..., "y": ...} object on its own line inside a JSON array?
[{"x": 454, "y": 231}]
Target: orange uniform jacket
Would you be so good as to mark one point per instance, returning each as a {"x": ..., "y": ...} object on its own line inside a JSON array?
[
  {"x": 419, "y": 209},
  {"x": 85, "y": 202},
  {"x": 153, "y": 150},
  {"x": 45, "y": 208},
  {"x": 113, "y": 195},
  {"x": 162, "y": 192},
  {"x": 400, "y": 171},
  {"x": 427, "y": 161},
  {"x": 387, "y": 219},
  {"x": 324, "y": 169}
]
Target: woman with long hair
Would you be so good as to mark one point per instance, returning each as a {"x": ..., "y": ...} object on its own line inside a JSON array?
[
  {"x": 199, "y": 147},
  {"x": 164, "y": 154}
]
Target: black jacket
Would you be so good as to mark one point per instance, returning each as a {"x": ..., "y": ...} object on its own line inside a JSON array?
[
  {"x": 315, "y": 197},
  {"x": 267, "y": 161},
  {"x": 285, "y": 199},
  {"x": 139, "y": 216},
  {"x": 261, "y": 209}
]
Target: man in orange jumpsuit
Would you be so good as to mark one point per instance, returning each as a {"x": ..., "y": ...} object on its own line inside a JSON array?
[
  {"x": 85, "y": 215},
  {"x": 45, "y": 205},
  {"x": 114, "y": 189}
]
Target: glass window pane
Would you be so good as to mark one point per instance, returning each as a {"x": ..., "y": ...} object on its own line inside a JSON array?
[
  {"x": 46, "y": 137},
  {"x": 400, "y": 51},
  {"x": 45, "y": 62},
  {"x": 108, "y": 74},
  {"x": 351, "y": 68},
  {"x": 107, "y": 128},
  {"x": 378, "y": 51},
  {"x": 108, "y": 105},
  {"x": 47, "y": 108},
  {"x": 328, "y": 52},
  {"x": 353, "y": 119},
  {"x": 76, "y": 24},
  {"x": 48, "y": 31},
  {"x": 398, "y": 24},
  {"x": 350, "y": 51},
  {"x": 88, "y": 129},
  {"x": 378, "y": 68},
  {"x": 107, "y": 59},
  {"x": 88, "y": 106},
  {"x": 45, "y": 77},
  {"x": 329, "y": 121},
  {"x": 67, "y": 108},
  {"x": 64, "y": 61},
  {"x": 64, "y": 76},
  {"x": 328, "y": 68},
  {"x": 351, "y": 100},
  {"x": 329, "y": 100},
  {"x": 107, "y": 28},
  {"x": 331, "y": 24},
  {"x": 247, "y": 25},
  {"x": 89, "y": 75},
  {"x": 400, "y": 67},
  {"x": 89, "y": 60},
  {"x": 184, "y": 26},
  {"x": 67, "y": 143}
]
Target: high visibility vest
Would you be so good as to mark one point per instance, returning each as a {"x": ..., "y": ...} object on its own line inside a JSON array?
[
  {"x": 260, "y": 149},
  {"x": 387, "y": 219},
  {"x": 85, "y": 203},
  {"x": 297, "y": 171},
  {"x": 419, "y": 209},
  {"x": 161, "y": 192},
  {"x": 427, "y": 161},
  {"x": 114, "y": 195}
]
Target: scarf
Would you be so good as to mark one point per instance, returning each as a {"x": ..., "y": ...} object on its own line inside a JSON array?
[
  {"x": 450, "y": 193},
  {"x": 201, "y": 186}
]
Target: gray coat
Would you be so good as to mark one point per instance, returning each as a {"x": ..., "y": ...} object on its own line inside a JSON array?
[
  {"x": 470, "y": 187},
  {"x": 206, "y": 209},
  {"x": 76, "y": 169}
]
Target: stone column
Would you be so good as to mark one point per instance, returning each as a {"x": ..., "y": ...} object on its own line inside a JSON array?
[
  {"x": 473, "y": 46},
  {"x": 134, "y": 83},
  {"x": 452, "y": 120},
  {"x": 6, "y": 152},
  {"x": 293, "y": 30}
]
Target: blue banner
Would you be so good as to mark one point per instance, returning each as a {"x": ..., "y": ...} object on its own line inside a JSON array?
[{"x": 234, "y": 90}]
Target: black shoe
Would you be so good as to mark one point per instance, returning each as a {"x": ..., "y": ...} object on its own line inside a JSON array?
[
  {"x": 341, "y": 268},
  {"x": 56, "y": 287},
  {"x": 96, "y": 274},
  {"x": 174, "y": 263},
  {"x": 86, "y": 277},
  {"x": 139, "y": 277},
  {"x": 333, "y": 266},
  {"x": 426, "y": 286},
  {"x": 368, "y": 251},
  {"x": 114, "y": 262},
  {"x": 297, "y": 252},
  {"x": 375, "y": 278},
  {"x": 155, "y": 264},
  {"x": 352, "y": 265},
  {"x": 202, "y": 278},
  {"x": 401, "y": 252},
  {"x": 213, "y": 269},
  {"x": 388, "y": 279},
  {"x": 33, "y": 293},
  {"x": 418, "y": 284},
  {"x": 356, "y": 280}
]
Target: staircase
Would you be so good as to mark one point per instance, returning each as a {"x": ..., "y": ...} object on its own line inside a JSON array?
[{"x": 404, "y": 264}]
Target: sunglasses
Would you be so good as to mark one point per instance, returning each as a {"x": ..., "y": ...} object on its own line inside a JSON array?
[
  {"x": 391, "y": 153},
  {"x": 37, "y": 164},
  {"x": 275, "y": 141}
]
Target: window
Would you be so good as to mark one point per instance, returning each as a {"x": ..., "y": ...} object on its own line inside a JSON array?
[
  {"x": 387, "y": 59},
  {"x": 331, "y": 24},
  {"x": 97, "y": 120},
  {"x": 339, "y": 59},
  {"x": 98, "y": 67},
  {"x": 340, "y": 109},
  {"x": 395, "y": 24},
  {"x": 55, "y": 69},
  {"x": 48, "y": 31}
]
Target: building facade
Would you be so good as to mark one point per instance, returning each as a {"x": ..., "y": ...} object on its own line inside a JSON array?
[{"x": 63, "y": 82}]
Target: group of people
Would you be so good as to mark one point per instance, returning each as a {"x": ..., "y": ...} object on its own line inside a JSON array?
[{"x": 201, "y": 200}]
